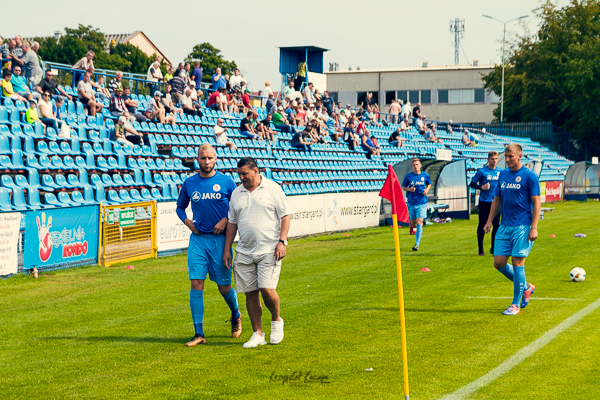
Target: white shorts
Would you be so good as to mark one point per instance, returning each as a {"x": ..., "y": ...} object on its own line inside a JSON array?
[
  {"x": 221, "y": 140},
  {"x": 255, "y": 272}
]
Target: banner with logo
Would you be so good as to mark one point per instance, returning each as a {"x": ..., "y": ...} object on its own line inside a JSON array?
[
  {"x": 10, "y": 224},
  {"x": 351, "y": 210},
  {"x": 61, "y": 236},
  {"x": 171, "y": 233},
  {"x": 308, "y": 214},
  {"x": 554, "y": 191}
]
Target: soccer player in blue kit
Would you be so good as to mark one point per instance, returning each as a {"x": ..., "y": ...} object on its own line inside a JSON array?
[
  {"x": 210, "y": 192},
  {"x": 486, "y": 180},
  {"x": 518, "y": 195},
  {"x": 416, "y": 184}
]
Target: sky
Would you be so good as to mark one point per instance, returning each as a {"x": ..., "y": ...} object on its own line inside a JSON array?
[{"x": 371, "y": 34}]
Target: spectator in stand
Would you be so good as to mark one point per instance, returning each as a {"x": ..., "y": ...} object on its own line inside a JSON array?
[
  {"x": 466, "y": 139},
  {"x": 247, "y": 128},
  {"x": 281, "y": 122},
  {"x": 368, "y": 101},
  {"x": 362, "y": 128},
  {"x": 266, "y": 92},
  {"x": 350, "y": 136},
  {"x": 101, "y": 88},
  {"x": 218, "y": 80},
  {"x": 119, "y": 132},
  {"x": 47, "y": 115},
  {"x": 232, "y": 103},
  {"x": 333, "y": 129},
  {"x": 48, "y": 84},
  {"x": 85, "y": 93},
  {"x": 186, "y": 104},
  {"x": 185, "y": 73},
  {"x": 30, "y": 64},
  {"x": 169, "y": 75},
  {"x": 154, "y": 73},
  {"x": 396, "y": 139},
  {"x": 271, "y": 105},
  {"x": 318, "y": 97},
  {"x": 328, "y": 102},
  {"x": 394, "y": 110},
  {"x": 290, "y": 113},
  {"x": 376, "y": 143},
  {"x": 114, "y": 82},
  {"x": 177, "y": 87},
  {"x": 235, "y": 82},
  {"x": 194, "y": 95},
  {"x": 19, "y": 84},
  {"x": 237, "y": 103},
  {"x": 221, "y": 135},
  {"x": 117, "y": 105},
  {"x": 132, "y": 135},
  {"x": 300, "y": 142},
  {"x": 406, "y": 110},
  {"x": 338, "y": 108},
  {"x": 31, "y": 114},
  {"x": 214, "y": 101},
  {"x": 7, "y": 50},
  {"x": 155, "y": 111},
  {"x": 368, "y": 146},
  {"x": 405, "y": 125},
  {"x": 246, "y": 101},
  {"x": 132, "y": 105},
  {"x": 309, "y": 93},
  {"x": 265, "y": 129},
  {"x": 420, "y": 125},
  {"x": 19, "y": 46},
  {"x": 342, "y": 120},
  {"x": 290, "y": 92},
  {"x": 84, "y": 64},
  {"x": 416, "y": 114},
  {"x": 313, "y": 130},
  {"x": 7, "y": 87},
  {"x": 430, "y": 136},
  {"x": 168, "y": 102},
  {"x": 301, "y": 114},
  {"x": 197, "y": 74}
]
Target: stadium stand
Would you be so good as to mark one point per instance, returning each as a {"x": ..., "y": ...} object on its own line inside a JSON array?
[{"x": 45, "y": 171}]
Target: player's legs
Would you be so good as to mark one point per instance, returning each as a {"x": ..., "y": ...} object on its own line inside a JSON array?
[
  {"x": 521, "y": 248},
  {"x": 495, "y": 226},
  {"x": 219, "y": 273},
  {"x": 197, "y": 270},
  {"x": 420, "y": 215},
  {"x": 484, "y": 212}
]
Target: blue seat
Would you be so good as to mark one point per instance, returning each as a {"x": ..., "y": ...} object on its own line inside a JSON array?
[
  {"x": 146, "y": 195},
  {"x": 18, "y": 199},
  {"x": 51, "y": 200},
  {"x": 65, "y": 199},
  {"x": 156, "y": 194},
  {"x": 124, "y": 195},
  {"x": 113, "y": 196},
  {"x": 135, "y": 195}
]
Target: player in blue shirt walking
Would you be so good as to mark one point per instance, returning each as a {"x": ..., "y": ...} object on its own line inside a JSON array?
[
  {"x": 518, "y": 195},
  {"x": 486, "y": 180},
  {"x": 416, "y": 184},
  {"x": 210, "y": 192}
]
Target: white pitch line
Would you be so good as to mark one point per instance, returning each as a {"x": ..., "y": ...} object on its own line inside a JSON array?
[
  {"x": 510, "y": 298},
  {"x": 522, "y": 354}
]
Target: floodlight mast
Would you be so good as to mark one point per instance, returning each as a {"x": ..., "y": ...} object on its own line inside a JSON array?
[{"x": 503, "y": 43}]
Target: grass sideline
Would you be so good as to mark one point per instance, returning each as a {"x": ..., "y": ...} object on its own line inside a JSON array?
[{"x": 103, "y": 333}]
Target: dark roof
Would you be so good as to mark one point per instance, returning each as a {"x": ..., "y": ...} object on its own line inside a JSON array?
[{"x": 302, "y": 48}]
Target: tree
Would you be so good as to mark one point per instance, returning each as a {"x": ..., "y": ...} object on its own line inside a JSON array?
[
  {"x": 210, "y": 59},
  {"x": 553, "y": 73}
]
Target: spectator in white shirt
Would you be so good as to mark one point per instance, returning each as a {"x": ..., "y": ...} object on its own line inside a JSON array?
[
  {"x": 221, "y": 135},
  {"x": 309, "y": 94}
]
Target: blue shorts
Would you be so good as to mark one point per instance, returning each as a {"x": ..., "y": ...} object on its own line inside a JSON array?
[
  {"x": 417, "y": 211},
  {"x": 205, "y": 256},
  {"x": 513, "y": 241}
]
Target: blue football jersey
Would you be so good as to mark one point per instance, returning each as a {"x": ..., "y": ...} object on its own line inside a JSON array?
[{"x": 515, "y": 189}]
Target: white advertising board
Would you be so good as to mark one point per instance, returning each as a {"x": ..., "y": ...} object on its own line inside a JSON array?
[
  {"x": 351, "y": 210},
  {"x": 171, "y": 233},
  {"x": 10, "y": 224},
  {"x": 308, "y": 215}
]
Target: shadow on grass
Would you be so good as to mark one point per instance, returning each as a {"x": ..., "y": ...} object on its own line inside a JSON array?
[
  {"x": 210, "y": 341},
  {"x": 461, "y": 311}
]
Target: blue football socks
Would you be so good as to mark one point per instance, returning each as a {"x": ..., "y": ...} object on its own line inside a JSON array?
[
  {"x": 508, "y": 272},
  {"x": 519, "y": 284},
  {"x": 197, "y": 307},
  {"x": 419, "y": 234},
  {"x": 232, "y": 301}
]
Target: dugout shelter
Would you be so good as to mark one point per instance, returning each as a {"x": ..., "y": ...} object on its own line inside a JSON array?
[{"x": 575, "y": 184}]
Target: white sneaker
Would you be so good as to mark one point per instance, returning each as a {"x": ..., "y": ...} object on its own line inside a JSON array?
[
  {"x": 276, "y": 331},
  {"x": 255, "y": 340}
]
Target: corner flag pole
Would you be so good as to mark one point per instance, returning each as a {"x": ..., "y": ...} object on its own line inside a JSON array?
[{"x": 400, "y": 288}]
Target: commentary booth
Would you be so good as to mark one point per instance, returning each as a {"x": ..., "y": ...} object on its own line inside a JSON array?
[
  {"x": 449, "y": 194},
  {"x": 308, "y": 58}
]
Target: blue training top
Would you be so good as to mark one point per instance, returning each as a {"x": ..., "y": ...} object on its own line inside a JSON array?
[
  {"x": 515, "y": 190},
  {"x": 420, "y": 182},
  {"x": 483, "y": 176},
  {"x": 210, "y": 200}
]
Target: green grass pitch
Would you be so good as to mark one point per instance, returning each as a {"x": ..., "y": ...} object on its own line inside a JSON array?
[{"x": 112, "y": 333}]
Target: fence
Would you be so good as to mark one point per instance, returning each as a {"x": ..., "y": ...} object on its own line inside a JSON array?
[{"x": 128, "y": 233}]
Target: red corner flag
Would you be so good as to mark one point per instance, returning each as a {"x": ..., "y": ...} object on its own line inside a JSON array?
[{"x": 392, "y": 191}]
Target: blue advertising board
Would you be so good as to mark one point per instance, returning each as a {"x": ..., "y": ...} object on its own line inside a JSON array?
[{"x": 61, "y": 237}]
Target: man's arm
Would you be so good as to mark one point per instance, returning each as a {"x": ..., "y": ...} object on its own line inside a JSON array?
[
  {"x": 427, "y": 189},
  {"x": 229, "y": 236},
  {"x": 535, "y": 217},
  {"x": 216, "y": 78}
]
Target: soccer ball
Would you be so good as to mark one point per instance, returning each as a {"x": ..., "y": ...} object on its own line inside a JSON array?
[{"x": 577, "y": 274}]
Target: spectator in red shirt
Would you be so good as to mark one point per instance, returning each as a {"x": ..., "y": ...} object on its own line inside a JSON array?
[
  {"x": 246, "y": 101},
  {"x": 214, "y": 101}
]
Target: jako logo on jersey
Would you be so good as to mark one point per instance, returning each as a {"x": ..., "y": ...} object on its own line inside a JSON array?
[
  {"x": 505, "y": 185},
  {"x": 518, "y": 179},
  {"x": 207, "y": 196},
  {"x": 195, "y": 196},
  {"x": 216, "y": 187}
]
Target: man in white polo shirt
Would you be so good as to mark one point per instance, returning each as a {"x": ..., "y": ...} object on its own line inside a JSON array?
[{"x": 259, "y": 211}]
